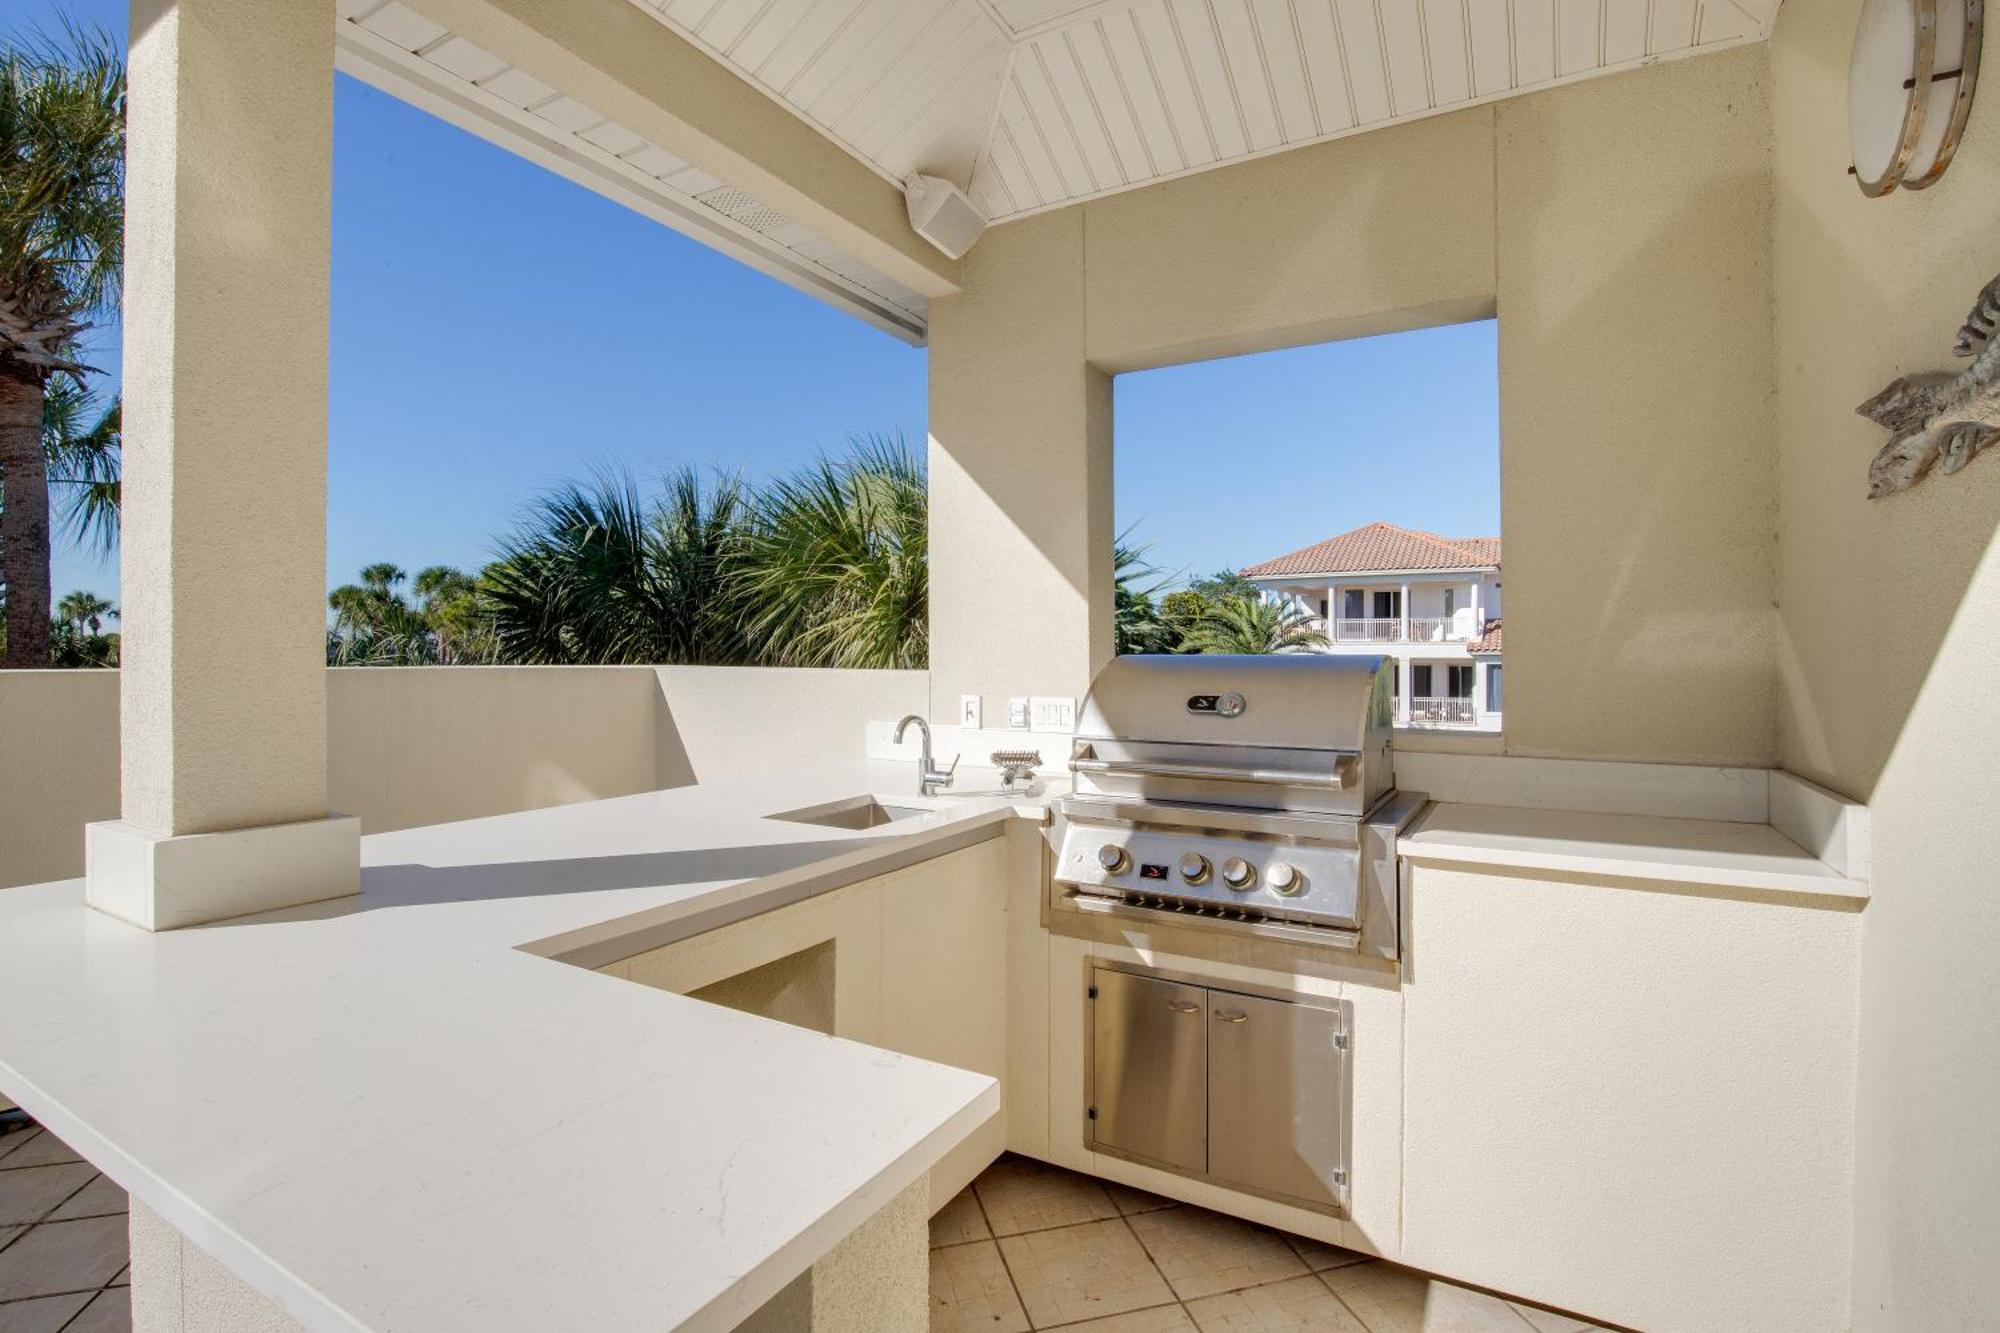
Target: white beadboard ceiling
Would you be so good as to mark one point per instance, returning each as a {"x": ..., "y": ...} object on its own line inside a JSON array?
[
  {"x": 1033, "y": 104},
  {"x": 1030, "y": 104}
]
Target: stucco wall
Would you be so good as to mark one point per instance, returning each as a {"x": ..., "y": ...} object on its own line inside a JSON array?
[
  {"x": 59, "y": 770},
  {"x": 1621, "y": 229},
  {"x": 423, "y": 745},
  {"x": 1891, "y": 620}
]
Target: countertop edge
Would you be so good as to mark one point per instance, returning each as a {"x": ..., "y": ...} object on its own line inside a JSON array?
[{"x": 1689, "y": 865}]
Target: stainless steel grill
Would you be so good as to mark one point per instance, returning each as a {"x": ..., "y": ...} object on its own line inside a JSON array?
[{"x": 1252, "y": 794}]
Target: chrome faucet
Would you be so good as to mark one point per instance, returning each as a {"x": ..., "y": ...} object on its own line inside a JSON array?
[{"x": 929, "y": 776}]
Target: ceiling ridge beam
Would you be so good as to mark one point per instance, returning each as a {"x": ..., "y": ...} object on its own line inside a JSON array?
[{"x": 632, "y": 68}]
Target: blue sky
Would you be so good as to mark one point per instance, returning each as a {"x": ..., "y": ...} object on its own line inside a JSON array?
[{"x": 496, "y": 329}]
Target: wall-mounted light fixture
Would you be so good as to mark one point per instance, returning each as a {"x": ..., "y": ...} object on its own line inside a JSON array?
[{"x": 1909, "y": 89}]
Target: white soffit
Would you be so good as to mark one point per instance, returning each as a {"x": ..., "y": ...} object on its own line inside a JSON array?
[
  {"x": 1039, "y": 103},
  {"x": 386, "y": 44}
]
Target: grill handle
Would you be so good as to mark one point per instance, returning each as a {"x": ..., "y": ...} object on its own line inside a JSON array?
[{"x": 1342, "y": 775}]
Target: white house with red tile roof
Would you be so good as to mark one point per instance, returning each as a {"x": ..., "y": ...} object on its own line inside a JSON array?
[{"x": 1430, "y": 603}]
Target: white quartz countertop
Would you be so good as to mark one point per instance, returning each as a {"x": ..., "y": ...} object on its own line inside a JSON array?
[
  {"x": 1718, "y": 852},
  {"x": 391, "y": 1112}
]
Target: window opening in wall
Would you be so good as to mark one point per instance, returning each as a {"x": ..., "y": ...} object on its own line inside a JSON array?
[{"x": 1334, "y": 498}]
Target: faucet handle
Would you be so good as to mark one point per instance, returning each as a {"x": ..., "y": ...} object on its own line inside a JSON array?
[{"x": 946, "y": 775}]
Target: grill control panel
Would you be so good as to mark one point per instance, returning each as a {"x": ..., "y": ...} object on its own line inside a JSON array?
[{"x": 1286, "y": 879}]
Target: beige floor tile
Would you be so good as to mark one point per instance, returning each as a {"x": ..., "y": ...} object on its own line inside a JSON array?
[
  {"x": 1129, "y": 1201},
  {"x": 9, "y": 1142},
  {"x": 1082, "y": 1272},
  {"x": 1396, "y": 1300},
  {"x": 42, "y": 1149},
  {"x": 110, "y": 1312},
  {"x": 8, "y": 1233},
  {"x": 1159, "y": 1319},
  {"x": 30, "y": 1194},
  {"x": 100, "y": 1198},
  {"x": 1203, "y": 1253},
  {"x": 60, "y": 1257},
  {"x": 1548, "y": 1321},
  {"x": 1320, "y": 1256},
  {"x": 45, "y": 1315},
  {"x": 959, "y": 1221},
  {"x": 124, "y": 1278},
  {"x": 1299, "y": 1305},
  {"x": 1024, "y": 1195},
  {"x": 970, "y": 1290}
]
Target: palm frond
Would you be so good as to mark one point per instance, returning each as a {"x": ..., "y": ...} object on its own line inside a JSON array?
[{"x": 833, "y": 568}]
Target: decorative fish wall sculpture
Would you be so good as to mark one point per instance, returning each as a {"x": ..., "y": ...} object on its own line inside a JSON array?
[{"x": 1938, "y": 417}]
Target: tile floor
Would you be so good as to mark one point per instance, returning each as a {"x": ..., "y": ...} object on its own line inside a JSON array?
[
  {"x": 1031, "y": 1246},
  {"x": 1027, "y": 1246},
  {"x": 63, "y": 1245}
]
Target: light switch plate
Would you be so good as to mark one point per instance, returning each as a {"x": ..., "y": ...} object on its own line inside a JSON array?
[
  {"x": 1052, "y": 713},
  {"x": 968, "y": 710},
  {"x": 1017, "y": 713}
]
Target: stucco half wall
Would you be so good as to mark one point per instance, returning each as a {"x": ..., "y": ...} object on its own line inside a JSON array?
[
  {"x": 1621, "y": 229},
  {"x": 424, "y": 745}
]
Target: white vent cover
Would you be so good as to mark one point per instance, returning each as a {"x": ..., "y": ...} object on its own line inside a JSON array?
[{"x": 942, "y": 215}]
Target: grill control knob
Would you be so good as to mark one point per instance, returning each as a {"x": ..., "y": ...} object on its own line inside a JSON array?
[
  {"x": 1283, "y": 877},
  {"x": 1238, "y": 873},
  {"x": 1194, "y": 867},
  {"x": 1113, "y": 858}
]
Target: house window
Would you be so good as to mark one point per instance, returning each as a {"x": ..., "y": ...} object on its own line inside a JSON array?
[
  {"x": 1355, "y": 607},
  {"x": 1493, "y": 687},
  {"x": 1420, "y": 681},
  {"x": 1388, "y": 606},
  {"x": 1460, "y": 681},
  {"x": 1450, "y": 602}
]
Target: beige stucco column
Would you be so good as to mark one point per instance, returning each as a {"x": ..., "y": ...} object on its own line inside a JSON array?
[
  {"x": 224, "y": 546},
  {"x": 1020, "y": 474}
]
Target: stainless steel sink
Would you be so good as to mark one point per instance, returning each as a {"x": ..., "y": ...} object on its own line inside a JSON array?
[{"x": 856, "y": 812}]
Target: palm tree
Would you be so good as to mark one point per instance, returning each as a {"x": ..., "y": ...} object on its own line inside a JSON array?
[
  {"x": 84, "y": 611},
  {"x": 62, "y": 223},
  {"x": 832, "y": 571},
  {"x": 374, "y": 625},
  {"x": 77, "y": 638},
  {"x": 1136, "y": 623},
  {"x": 1253, "y": 625},
  {"x": 596, "y": 574},
  {"x": 83, "y": 461}
]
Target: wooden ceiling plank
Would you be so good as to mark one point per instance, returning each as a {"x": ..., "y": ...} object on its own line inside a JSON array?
[
  {"x": 1577, "y": 36},
  {"x": 1167, "y": 61},
  {"x": 1319, "y": 39},
  {"x": 1194, "y": 23},
  {"x": 1282, "y": 45},
  {"x": 1534, "y": 42},
  {"x": 1112, "y": 95},
  {"x": 1490, "y": 38}
]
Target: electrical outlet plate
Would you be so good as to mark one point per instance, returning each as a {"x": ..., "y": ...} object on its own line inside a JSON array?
[
  {"x": 1052, "y": 713},
  {"x": 968, "y": 710},
  {"x": 1017, "y": 713}
]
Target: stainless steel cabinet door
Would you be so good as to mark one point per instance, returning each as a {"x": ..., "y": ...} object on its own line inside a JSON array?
[
  {"x": 1150, "y": 1068},
  {"x": 1274, "y": 1096}
]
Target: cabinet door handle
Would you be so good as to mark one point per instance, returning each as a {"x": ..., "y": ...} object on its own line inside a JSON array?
[
  {"x": 1184, "y": 1006},
  {"x": 1232, "y": 1015}
]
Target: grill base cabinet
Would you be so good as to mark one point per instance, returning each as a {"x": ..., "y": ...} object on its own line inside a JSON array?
[{"x": 1247, "y": 1091}]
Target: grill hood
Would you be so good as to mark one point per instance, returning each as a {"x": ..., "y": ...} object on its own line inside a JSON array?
[{"x": 1303, "y": 732}]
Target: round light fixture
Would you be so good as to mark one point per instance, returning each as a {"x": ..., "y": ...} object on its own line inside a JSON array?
[{"x": 1909, "y": 89}]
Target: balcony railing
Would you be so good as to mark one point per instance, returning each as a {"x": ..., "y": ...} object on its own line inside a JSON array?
[
  {"x": 1422, "y": 629},
  {"x": 1442, "y": 710}
]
